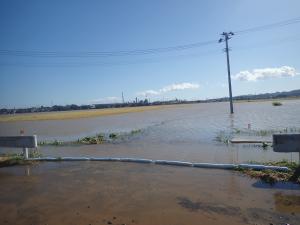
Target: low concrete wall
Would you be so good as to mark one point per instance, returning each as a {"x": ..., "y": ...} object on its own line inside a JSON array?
[{"x": 165, "y": 162}]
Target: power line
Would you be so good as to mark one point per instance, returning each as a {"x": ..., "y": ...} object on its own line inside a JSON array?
[
  {"x": 147, "y": 60},
  {"x": 268, "y": 43},
  {"x": 57, "y": 54},
  {"x": 269, "y": 26},
  {"x": 136, "y": 52},
  {"x": 110, "y": 63}
]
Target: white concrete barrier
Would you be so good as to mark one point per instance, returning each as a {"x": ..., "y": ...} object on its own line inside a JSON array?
[
  {"x": 215, "y": 165},
  {"x": 44, "y": 159},
  {"x": 104, "y": 159},
  {"x": 173, "y": 163},
  {"x": 74, "y": 158},
  {"x": 166, "y": 162},
  {"x": 251, "y": 166},
  {"x": 136, "y": 160},
  {"x": 277, "y": 168}
]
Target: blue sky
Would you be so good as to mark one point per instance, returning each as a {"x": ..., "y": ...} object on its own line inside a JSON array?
[{"x": 199, "y": 73}]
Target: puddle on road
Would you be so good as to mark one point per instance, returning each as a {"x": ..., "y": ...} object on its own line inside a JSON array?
[
  {"x": 287, "y": 203},
  {"x": 125, "y": 193}
]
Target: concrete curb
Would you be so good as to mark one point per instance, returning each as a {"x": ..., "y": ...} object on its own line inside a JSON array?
[{"x": 165, "y": 162}]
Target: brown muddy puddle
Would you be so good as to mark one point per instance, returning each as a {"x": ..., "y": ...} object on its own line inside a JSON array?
[{"x": 126, "y": 193}]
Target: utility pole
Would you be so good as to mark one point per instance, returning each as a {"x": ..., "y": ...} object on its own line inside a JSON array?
[
  {"x": 225, "y": 37},
  {"x": 123, "y": 98}
]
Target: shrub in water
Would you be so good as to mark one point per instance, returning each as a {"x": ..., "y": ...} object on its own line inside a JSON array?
[{"x": 276, "y": 103}]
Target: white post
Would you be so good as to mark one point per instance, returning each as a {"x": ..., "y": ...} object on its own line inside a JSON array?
[{"x": 25, "y": 153}]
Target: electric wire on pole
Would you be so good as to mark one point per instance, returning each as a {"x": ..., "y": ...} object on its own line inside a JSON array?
[{"x": 225, "y": 37}]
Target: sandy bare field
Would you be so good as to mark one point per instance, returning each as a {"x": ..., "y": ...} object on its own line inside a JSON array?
[{"x": 75, "y": 114}]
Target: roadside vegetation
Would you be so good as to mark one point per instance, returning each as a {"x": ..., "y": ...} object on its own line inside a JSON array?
[
  {"x": 95, "y": 140},
  {"x": 270, "y": 176},
  {"x": 14, "y": 159}
]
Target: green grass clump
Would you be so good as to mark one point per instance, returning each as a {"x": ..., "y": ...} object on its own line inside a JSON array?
[
  {"x": 286, "y": 163},
  {"x": 276, "y": 103},
  {"x": 92, "y": 140},
  {"x": 137, "y": 131},
  {"x": 271, "y": 176},
  {"x": 237, "y": 131},
  {"x": 113, "y": 136},
  {"x": 34, "y": 153},
  {"x": 264, "y": 132},
  {"x": 223, "y": 137},
  {"x": 265, "y": 145},
  {"x": 13, "y": 159},
  {"x": 55, "y": 143}
]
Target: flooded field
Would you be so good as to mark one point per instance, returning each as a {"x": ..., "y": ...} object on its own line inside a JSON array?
[
  {"x": 124, "y": 193},
  {"x": 127, "y": 193},
  {"x": 183, "y": 132}
]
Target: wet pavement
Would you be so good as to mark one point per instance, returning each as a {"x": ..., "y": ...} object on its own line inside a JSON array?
[{"x": 127, "y": 193}]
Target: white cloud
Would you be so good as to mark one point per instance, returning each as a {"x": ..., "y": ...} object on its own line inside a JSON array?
[
  {"x": 261, "y": 74},
  {"x": 148, "y": 93},
  {"x": 181, "y": 86},
  {"x": 106, "y": 100},
  {"x": 169, "y": 88}
]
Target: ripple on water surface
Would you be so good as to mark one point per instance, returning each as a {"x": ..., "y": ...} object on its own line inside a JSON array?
[{"x": 183, "y": 132}]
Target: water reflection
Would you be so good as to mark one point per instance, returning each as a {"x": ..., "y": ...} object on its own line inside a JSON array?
[
  {"x": 277, "y": 185},
  {"x": 27, "y": 170},
  {"x": 287, "y": 202}
]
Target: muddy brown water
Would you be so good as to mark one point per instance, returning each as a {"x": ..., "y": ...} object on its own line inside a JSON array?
[
  {"x": 183, "y": 122},
  {"x": 183, "y": 132},
  {"x": 125, "y": 193}
]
